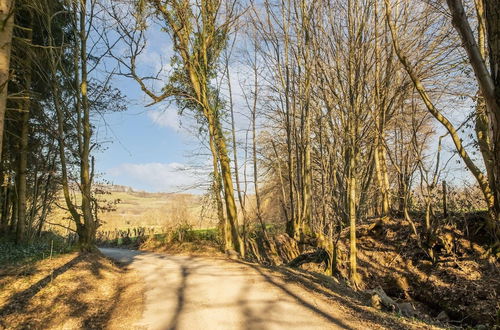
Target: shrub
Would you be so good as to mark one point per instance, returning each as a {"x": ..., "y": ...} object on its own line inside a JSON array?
[{"x": 49, "y": 243}]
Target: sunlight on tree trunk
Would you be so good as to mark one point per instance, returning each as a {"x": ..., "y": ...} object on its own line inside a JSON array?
[{"x": 6, "y": 28}]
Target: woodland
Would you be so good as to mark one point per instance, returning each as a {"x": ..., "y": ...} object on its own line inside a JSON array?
[{"x": 355, "y": 138}]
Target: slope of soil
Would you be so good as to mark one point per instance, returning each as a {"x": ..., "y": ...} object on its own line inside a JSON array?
[
  {"x": 71, "y": 291},
  {"x": 463, "y": 281}
]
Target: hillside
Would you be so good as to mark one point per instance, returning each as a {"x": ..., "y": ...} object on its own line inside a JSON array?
[{"x": 131, "y": 209}]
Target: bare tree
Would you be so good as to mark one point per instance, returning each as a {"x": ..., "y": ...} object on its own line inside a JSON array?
[
  {"x": 198, "y": 31},
  {"x": 488, "y": 183}
]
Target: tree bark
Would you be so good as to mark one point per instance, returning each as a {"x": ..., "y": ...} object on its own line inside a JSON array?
[
  {"x": 21, "y": 174},
  {"x": 4, "y": 214},
  {"x": 45, "y": 205},
  {"x": 241, "y": 199},
  {"x": 445, "y": 200},
  {"x": 87, "y": 230},
  {"x": 6, "y": 28},
  {"x": 254, "y": 149},
  {"x": 492, "y": 10},
  {"x": 24, "y": 142},
  {"x": 489, "y": 83},
  {"x": 380, "y": 115},
  {"x": 224, "y": 225},
  {"x": 231, "y": 209},
  {"x": 353, "y": 266},
  {"x": 381, "y": 173}
]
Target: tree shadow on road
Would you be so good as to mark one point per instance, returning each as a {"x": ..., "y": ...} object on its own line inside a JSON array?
[
  {"x": 252, "y": 317},
  {"x": 327, "y": 316},
  {"x": 79, "y": 291},
  {"x": 181, "y": 290},
  {"x": 251, "y": 306},
  {"x": 338, "y": 293}
]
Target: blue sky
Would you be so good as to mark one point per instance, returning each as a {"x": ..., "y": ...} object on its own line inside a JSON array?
[
  {"x": 152, "y": 148},
  {"x": 148, "y": 148},
  {"x": 144, "y": 146}
]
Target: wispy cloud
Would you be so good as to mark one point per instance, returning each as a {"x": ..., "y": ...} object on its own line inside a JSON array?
[{"x": 165, "y": 118}]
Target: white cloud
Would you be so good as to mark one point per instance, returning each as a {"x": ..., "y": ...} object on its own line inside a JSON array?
[
  {"x": 159, "y": 177},
  {"x": 165, "y": 118}
]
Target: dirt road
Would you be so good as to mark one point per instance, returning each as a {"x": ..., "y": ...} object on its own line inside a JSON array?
[{"x": 184, "y": 292}]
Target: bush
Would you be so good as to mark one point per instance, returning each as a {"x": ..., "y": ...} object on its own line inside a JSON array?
[
  {"x": 40, "y": 248},
  {"x": 182, "y": 233}
]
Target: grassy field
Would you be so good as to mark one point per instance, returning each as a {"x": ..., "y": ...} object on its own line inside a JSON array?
[{"x": 141, "y": 209}]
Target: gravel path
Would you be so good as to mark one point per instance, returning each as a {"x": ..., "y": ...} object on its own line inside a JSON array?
[{"x": 184, "y": 292}]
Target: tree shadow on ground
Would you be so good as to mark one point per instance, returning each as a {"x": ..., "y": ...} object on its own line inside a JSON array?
[
  {"x": 300, "y": 300},
  {"x": 85, "y": 297},
  {"x": 187, "y": 297},
  {"x": 318, "y": 283},
  {"x": 253, "y": 319},
  {"x": 180, "y": 292},
  {"x": 19, "y": 301}
]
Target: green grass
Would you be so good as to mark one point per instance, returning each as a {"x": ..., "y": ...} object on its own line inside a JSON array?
[
  {"x": 180, "y": 234},
  {"x": 209, "y": 234},
  {"x": 11, "y": 253}
]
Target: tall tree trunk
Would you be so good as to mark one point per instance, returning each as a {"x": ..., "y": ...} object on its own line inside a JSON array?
[
  {"x": 231, "y": 209},
  {"x": 482, "y": 125},
  {"x": 352, "y": 212},
  {"x": 306, "y": 220},
  {"x": 87, "y": 232},
  {"x": 241, "y": 198},
  {"x": 4, "y": 214},
  {"x": 61, "y": 137},
  {"x": 21, "y": 174},
  {"x": 292, "y": 227},
  {"x": 13, "y": 214},
  {"x": 380, "y": 116},
  {"x": 215, "y": 132},
  {"x": 306, "y": 45},
  {"x": 493, "y": 36},
  {"x": 24, "y": 141},
  {"x": 254, "y": 144},
  {"x": 282, "y": 183},
  {"x": 61, "y": 119},
  {"x": 5, "y": 196},
  {"x": 6, "y": 28},
  {"x": 45, "y": 201},
  {"x": 381, "y": 173},
  {"x": 489, "y": 83},
  {"x": 224, "y": 226}
]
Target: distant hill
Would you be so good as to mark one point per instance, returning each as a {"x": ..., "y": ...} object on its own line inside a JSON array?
[
  {"x": 135, "y": 208},
  {"x": 115, "y": 188}
]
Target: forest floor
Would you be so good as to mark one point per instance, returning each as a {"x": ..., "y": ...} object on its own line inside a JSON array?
[
  {"x": 188, "y": 292},
  {"x": 191, "y": 285},
  {"x": 69, "y": 291},
  {"x": 460, "y": 286}
]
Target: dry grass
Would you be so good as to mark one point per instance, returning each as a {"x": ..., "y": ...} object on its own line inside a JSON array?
[
  {"x": 141, "y": 209},
  {"x": 73, "y": 291}
]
